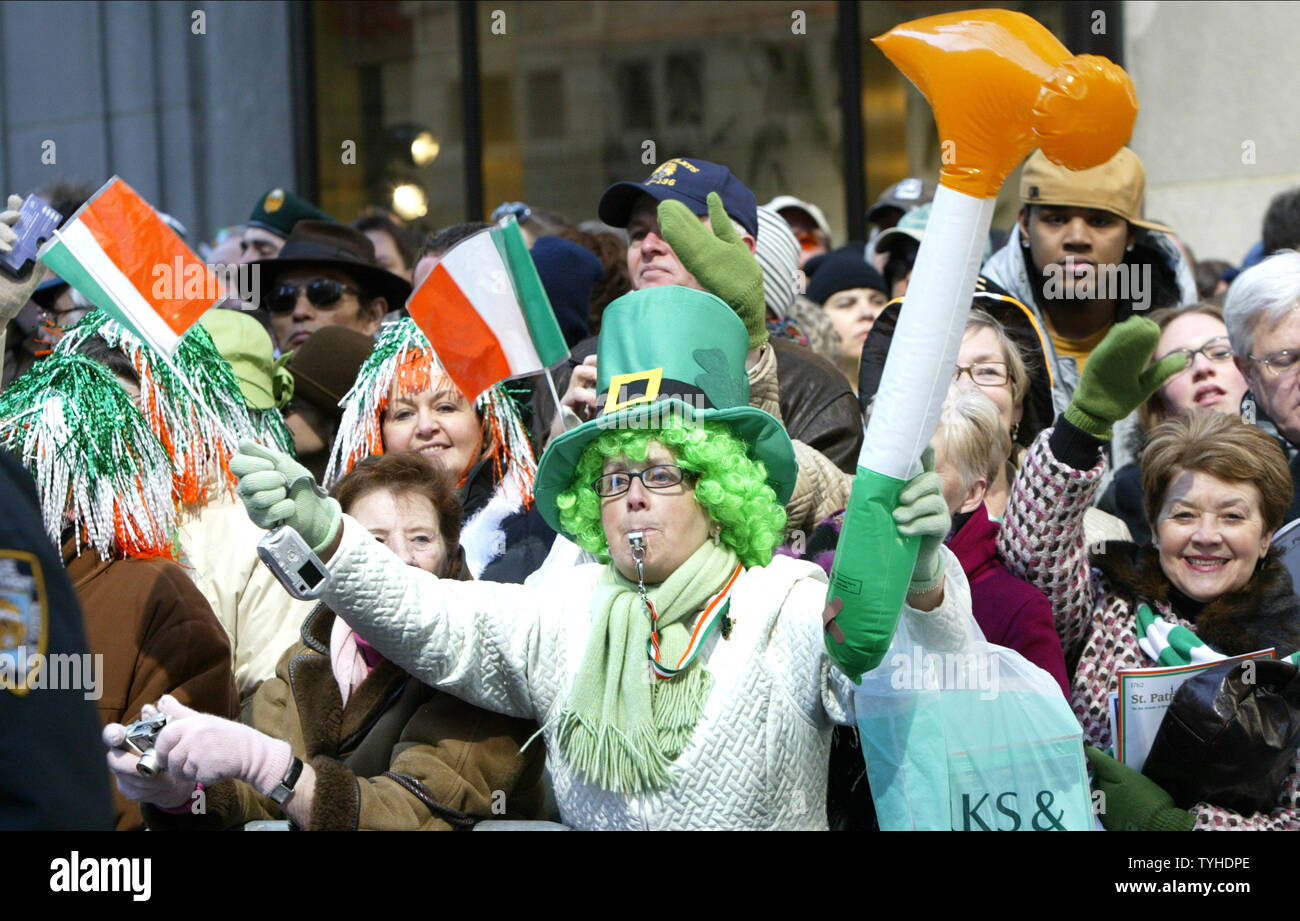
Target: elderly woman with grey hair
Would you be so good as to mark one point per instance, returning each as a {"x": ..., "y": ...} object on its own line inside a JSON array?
[{"x": 1263, "y": 318}]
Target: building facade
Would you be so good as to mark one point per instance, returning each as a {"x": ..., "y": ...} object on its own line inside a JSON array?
[{"x": 442, "y": 109}]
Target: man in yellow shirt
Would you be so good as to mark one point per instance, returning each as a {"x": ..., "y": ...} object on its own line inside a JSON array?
[{"x": 1082, "y": 258}]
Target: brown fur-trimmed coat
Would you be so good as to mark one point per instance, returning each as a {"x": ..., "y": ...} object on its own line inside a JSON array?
[{"x": 466, "y": 758}]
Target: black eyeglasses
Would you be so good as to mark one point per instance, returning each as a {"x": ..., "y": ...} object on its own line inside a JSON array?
[
  {"x": 321, "y": 292},
  {"x": 1218, "y": 349},
  {"x": 660, "y": 476}
]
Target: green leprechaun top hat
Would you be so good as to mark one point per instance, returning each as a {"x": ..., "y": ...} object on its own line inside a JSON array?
[{"x": 669, "y": 352}]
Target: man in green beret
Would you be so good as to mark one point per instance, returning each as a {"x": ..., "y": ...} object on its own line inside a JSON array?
[{"x": 272, "y": 221}]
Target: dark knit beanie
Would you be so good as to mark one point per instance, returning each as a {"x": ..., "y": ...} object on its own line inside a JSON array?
[
  {"x": 841, "y": 270},
  {"x": 569, "y": 272}
]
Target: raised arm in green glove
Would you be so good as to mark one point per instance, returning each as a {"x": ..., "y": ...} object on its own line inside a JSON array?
[
  {"x": 719, "y": 260},
  {"x": 1117, "y": 380},
  {"x": 1134, "y": 802},
  {"x": 277, "y": 489}
]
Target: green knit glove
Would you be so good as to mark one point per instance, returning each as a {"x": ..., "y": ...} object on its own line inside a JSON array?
[
  {"x": 1116, "y": 379},
  {"x": 277, "y": 489},
  {"x": 922, "y": 511},
  {"x": 1134, "y": 802},
  {"x": 720, "y": 261}
]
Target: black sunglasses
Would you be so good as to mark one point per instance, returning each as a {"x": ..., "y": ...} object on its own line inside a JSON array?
[{"x": 321, "y": 292}]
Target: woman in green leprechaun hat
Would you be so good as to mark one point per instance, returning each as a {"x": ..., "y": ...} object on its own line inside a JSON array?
[{"x": 682, "y": 682}]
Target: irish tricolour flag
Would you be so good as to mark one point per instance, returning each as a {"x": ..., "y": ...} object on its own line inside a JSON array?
[
  {"x": 486, "y": 313},
  {"x": 118, "y": 253}
]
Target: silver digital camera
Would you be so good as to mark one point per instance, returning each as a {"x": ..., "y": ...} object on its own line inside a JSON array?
[
  {"x": 141, "y": 736},
  {"x": 299, "y": 570}
]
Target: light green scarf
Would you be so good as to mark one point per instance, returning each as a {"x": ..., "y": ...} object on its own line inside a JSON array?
[{"x": 622, "y": 728}]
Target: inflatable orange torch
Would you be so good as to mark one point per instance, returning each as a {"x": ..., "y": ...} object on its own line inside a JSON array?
[{"x": 1000, "y": 85}]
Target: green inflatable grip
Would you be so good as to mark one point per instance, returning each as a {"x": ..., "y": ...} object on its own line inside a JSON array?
[{"x": 869, "y": 579}]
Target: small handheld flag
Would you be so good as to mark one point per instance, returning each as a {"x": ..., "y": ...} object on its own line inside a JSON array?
[
  {"x": 486, "y": 313},
  {"x": 121, "y": 255}
]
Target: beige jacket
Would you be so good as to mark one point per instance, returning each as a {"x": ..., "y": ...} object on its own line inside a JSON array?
[
  {"x": 822, "y": 488},
  {"x": 219, "y": 551}
]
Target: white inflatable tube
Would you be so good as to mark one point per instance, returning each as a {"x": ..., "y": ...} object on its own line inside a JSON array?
[{"x": 924, "y": 350}]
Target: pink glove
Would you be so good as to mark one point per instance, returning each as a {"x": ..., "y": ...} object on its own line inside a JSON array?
[
  {"x": 162, "y": 790},
  {"x": 206, "y": 748}
]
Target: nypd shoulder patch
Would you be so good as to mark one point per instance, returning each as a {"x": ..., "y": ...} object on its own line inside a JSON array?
[{"x": 24, "y": 619}]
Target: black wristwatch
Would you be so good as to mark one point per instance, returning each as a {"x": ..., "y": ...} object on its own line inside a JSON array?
[{"x": 280, "y": 795}]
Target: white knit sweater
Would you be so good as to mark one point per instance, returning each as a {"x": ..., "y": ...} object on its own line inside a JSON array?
[{"x": 758, "y": 757}]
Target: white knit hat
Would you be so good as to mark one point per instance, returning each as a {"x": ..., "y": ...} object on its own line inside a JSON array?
[{"x": 778, "y": 254}]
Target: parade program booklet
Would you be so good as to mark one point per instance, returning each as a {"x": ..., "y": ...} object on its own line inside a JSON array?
[{"x": 1144, "y": 696}]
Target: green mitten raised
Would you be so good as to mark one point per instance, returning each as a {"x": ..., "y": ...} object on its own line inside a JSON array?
[
  {"x": 277, "y": 489},
  {"x": 922, "y": 512},
  {"x": 1134, "y": 802},
  {"x": 1116, "y": 379},
  {"x": 719, "y": 260}
]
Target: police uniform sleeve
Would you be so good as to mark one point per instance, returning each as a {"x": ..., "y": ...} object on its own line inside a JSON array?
[{"x": 52, "y": 773}]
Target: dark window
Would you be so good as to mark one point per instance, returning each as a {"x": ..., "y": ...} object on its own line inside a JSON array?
[
  {"x": 545, "y": 104},
  {"x": 685, "y": 89},
  {"x": 636, "y": 94}
]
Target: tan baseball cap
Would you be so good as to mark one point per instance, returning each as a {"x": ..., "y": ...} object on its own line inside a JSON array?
[{"x": 1117, "y": 186}]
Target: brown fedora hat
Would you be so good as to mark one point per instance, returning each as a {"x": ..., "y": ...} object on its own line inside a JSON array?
[
  {"x": 324, "y": 244},
  {"x": 325, "y": 366}
]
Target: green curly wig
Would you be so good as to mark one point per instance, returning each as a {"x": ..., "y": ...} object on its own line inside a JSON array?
[{"x": 732, "y": 488}]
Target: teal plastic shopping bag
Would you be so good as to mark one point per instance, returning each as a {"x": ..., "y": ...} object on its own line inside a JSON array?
[{"x": 969, "y": 737}]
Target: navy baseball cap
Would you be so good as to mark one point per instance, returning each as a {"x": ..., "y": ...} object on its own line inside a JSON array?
[{"x": 688, "y": 181}]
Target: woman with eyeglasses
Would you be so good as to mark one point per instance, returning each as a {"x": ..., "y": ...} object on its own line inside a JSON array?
[
  {"x": 1210, "y": 381},
  {"x": 1206, "y": 587},
  {"x": 684, "y": 681},
  {"x": 403, "y": 400},
  {"x": 990, "y": 362},
  {"x": 1001, "y": 355},
  {"x": 994, "y": 361}
]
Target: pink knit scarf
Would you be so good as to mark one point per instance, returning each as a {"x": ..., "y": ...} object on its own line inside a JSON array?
[{"x": 351, "y": 658}]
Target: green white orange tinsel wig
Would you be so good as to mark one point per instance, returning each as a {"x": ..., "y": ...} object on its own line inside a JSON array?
[
  {"x": 403, "y": 363},
  {"x": 97, "y": 464},
  {"x": 194, "y": 405}
]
